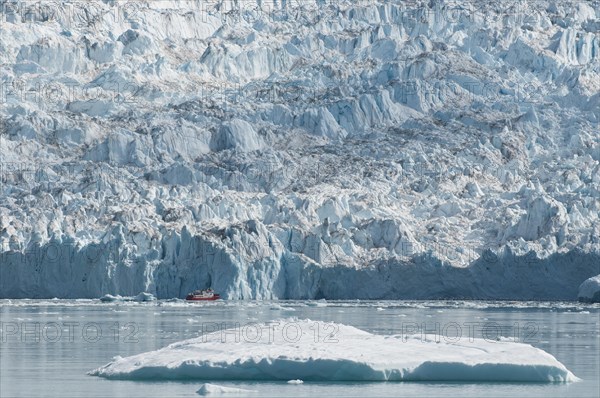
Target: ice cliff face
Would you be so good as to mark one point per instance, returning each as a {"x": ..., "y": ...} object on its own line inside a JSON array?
[{"x": 281, "y": 149}]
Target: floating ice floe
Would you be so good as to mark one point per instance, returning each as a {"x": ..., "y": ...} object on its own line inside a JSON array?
[{"x": 326, "y": 351}]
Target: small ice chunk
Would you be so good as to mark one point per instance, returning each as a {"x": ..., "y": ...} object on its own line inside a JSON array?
[
  {"x": 589, "y": 290},
  {"x": 215, "y": 389},
  {"x": 296, "y": 381},
  {"x": 145, "y": 297},
  {"x": 109, "y": 298}
]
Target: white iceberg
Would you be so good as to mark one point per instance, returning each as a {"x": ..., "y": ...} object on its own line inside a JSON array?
[
  {"x": 326, "y": 351},
  {"x": 589, "y": 291}
]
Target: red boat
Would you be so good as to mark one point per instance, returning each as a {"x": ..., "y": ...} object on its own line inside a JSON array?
[{"x": 203, "y": 295}]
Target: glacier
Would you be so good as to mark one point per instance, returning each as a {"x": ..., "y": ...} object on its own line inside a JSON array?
[
  {"x": 326, "y": 351},
  {"x": 299, "y": 149}
]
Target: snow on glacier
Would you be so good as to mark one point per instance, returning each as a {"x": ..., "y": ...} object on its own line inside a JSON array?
[
  {"x": 441, "y": 149},
  {"x": 327, "y": 351}
]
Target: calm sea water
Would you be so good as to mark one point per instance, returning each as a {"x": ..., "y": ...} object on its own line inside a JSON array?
[{"x": 46, "y": 347}]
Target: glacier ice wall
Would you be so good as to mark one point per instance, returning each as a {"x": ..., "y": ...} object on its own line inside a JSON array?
[{"x": 313, "y": 149}]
